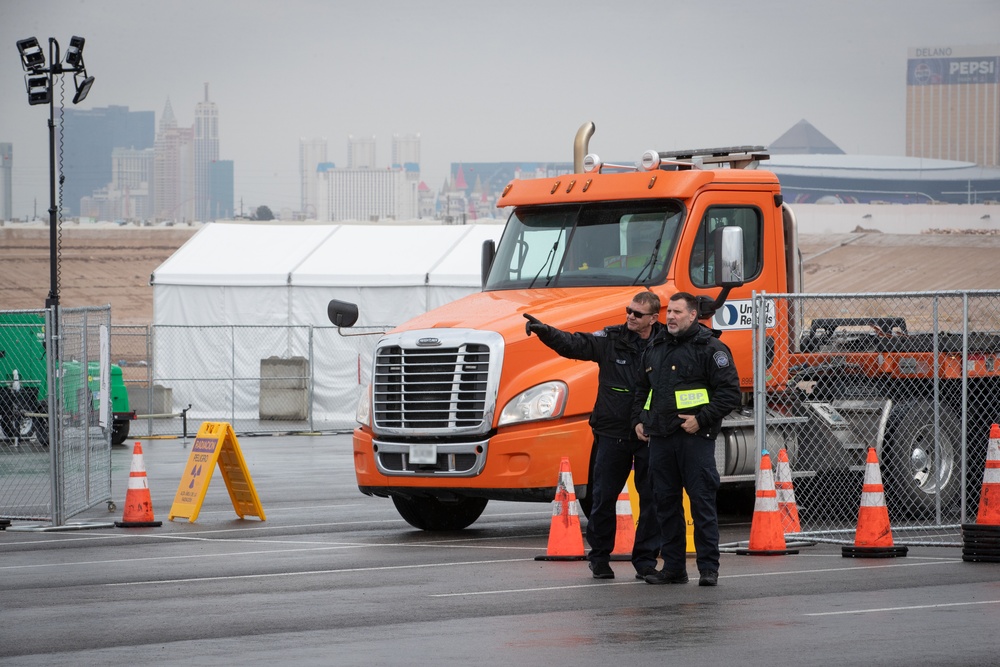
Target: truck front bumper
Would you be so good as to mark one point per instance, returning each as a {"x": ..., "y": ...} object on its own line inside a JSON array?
[{"x": 516, "y": 463}]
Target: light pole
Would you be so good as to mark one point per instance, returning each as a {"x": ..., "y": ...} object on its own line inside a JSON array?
[{"x": 39, "y": 81}]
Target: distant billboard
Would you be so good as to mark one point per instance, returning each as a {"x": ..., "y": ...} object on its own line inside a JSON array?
[{"x": 952, "y": 71}]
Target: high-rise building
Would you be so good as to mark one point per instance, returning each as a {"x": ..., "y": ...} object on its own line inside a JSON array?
[
  {"x": 406, "y": 150},
  {"x": 312, "y": 153},
  {"x": 220, "y": 190},
  {"x": 6, "y": 185},
  {"x": 360, "y": 152},
  {"x": 127, "y": 197},
  {"x": 366, "y": 194},
  {"x": 173, "y": 170},
  {"x": 206, "y": 152},
  {"x": 953, "y": 104},
  {"x": 89, "y": 136}
]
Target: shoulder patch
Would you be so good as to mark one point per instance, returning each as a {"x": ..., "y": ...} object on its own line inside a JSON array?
[
  {"x": 601, "y": 334},
  {"x": 721, "y": 359}
]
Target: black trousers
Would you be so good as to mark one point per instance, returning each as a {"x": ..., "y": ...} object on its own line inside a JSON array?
[
  {"x": 683, "y": 462},
  {"x": 615, "y": 460}
]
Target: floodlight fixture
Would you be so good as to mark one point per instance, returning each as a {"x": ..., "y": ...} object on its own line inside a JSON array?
[
  {"x": 82, "y": 88},
  {"x": 32, "y": 56},
  {"x": 74, "y": 53},
  {"x": 39, "y": 90},
  {"x": 39, "y": 82}
]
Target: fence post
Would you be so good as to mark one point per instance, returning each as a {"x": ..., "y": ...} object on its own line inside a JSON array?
[
  {"x": 232, "y": 376},
  {"x": 312, "y": 379},
  {"x": 54, "y": 396},
  {"x": 758, "y": 347},
  {"x": 149, "y": 380},
  {"x": 964, "y": 417}
]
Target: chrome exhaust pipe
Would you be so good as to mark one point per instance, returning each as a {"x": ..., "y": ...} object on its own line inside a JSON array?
[{"x": 581, "y": 145}]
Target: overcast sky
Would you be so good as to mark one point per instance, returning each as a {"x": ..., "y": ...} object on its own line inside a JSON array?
[{"x": 484, "y": 81}]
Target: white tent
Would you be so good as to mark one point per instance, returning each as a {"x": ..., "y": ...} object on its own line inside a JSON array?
[
  {"x": 233, "y": 274},
  {"x": 237, "y": 294}
]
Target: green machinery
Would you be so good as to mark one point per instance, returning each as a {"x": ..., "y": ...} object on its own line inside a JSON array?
[{"x": 24, "y": 387}]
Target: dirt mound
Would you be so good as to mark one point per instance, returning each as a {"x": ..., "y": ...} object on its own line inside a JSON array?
[
  {"x": 113, "y": 264},
  {"x": 96, "y": 267}
]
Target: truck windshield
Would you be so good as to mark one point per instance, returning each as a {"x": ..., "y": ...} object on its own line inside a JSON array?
[{"x": 600, "y": 244}]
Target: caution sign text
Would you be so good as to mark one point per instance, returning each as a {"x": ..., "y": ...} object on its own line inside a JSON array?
[{"x": 215, "y": 444}]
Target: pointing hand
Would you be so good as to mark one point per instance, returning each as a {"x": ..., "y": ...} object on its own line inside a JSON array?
[{"x": 533, "y": 324}]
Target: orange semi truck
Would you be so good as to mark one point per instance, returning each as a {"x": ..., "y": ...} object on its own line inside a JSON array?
[{"x": 465, "y": 408}]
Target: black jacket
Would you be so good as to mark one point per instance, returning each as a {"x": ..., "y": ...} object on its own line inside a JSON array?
[
  {"x": 696, "y": 368},
  {"x": 618, "y": 353}
]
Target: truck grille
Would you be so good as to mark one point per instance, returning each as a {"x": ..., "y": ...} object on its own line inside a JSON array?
[{"x": 431, "y": 388}]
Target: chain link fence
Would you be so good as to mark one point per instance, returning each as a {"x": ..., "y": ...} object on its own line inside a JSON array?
[
  {"x": 916, "y": 376},
  {"x": 260, "y": 379},
  {"x": 55, "y": 451}
]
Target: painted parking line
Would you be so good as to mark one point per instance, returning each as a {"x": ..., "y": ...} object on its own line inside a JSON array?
[
  {"x": 730, "y": 576},
  {"x": 305, "y": 547},
  {"x": 482, "y": 562},
  {"x": 941, "y": 605},
  {"x": 350, "y": 570}
]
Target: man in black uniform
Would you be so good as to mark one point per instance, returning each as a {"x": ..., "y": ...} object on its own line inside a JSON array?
[
  {"x": 617, "y": 351},
  {"x": 689, "y": 384}
]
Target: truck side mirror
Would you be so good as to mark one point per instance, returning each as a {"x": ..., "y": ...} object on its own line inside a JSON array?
[
  {"x": 728, "y": 256},
  {"x": 488, "y": 255},
  {"x": 342, "y": 313}
]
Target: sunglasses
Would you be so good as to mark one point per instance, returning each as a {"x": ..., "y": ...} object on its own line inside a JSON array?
[{"x": 636, "y": 313}]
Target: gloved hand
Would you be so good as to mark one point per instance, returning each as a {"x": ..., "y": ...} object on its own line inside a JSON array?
[{"x": 533, "y": 324}]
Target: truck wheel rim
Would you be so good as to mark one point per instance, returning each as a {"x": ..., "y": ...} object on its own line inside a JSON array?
[{"x": 930, "y": 474}]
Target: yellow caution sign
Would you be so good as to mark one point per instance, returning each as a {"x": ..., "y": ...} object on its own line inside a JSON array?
[
  {"x": 215, "y": 444},
  {"x": 633, "y": 498},
  {"x": 689, "y": 522}
]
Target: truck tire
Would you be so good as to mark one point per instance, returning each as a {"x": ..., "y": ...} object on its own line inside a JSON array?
[
  {"x": 18, "y": 427},
  {"x": 119, "y": 432},
  {"x": 40, "y": 425},
  {"x": 40, "y": 429},
  {"x": 917, "y": 471},
  {"x": 439, "y": 515}
]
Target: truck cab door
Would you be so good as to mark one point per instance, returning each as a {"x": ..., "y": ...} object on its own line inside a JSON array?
[{"x": 695, "y": 271}]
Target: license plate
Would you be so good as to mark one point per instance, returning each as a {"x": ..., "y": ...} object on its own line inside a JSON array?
[{"x": 423, "y": 453}]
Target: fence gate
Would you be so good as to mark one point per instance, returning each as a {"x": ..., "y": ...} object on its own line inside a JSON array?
[
  {"x": 916, "y": 376},
  {"x": 55, "y": 445}
]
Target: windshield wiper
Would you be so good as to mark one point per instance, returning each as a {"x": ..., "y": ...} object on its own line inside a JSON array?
[
  {"x": 649, "y": 263},
  {"x": 545, "y": 265}
]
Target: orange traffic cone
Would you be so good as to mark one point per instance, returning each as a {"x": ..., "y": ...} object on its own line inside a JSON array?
[
  {"x": 625, "y": 527},
  {"x": 981, "y": 540},
  {"x": 565, "y": 535},
  {"x": 138, "y": 505},
  {"x": 989, "y": 499},
  {"x": 766, "y": 535},
  {"x": 873, "y": 537},
  {"x": 786, "y": 495}
]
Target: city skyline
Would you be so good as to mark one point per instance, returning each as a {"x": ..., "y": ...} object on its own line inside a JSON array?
[{"x": 482, "y": 86}]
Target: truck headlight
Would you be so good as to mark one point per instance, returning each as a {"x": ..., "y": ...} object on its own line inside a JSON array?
[
  {"x": 544, "y": 401},
  {"x": 364, "y": 414}
]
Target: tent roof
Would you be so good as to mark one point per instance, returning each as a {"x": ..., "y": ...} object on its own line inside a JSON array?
[
  {"x": 329, "y": 255},
  {"x": 240, "y": 254},
  {"x": 462, "y": 265},
  {"x": 383, "y": 255}
]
